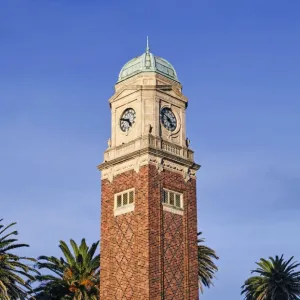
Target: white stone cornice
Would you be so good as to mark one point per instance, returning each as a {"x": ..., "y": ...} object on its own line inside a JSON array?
[{"x": 147, "y": 159}]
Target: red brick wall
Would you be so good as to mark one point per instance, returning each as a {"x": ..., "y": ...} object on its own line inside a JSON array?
[
  {"x": 140, "y": 253},
  {"x": 185, "y": 241},
  {"x": 173, "y": 256}
]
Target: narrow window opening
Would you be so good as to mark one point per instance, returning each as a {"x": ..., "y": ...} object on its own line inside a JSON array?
[
  {"x": 119, "y": 201},
  {"x": 131, "y": 197},
  {"x": 177, "y": 201},
  {"x": 171, "y": 198},
  {"x": 165, "y": 197},
  {"x": 125, "y": 199}
]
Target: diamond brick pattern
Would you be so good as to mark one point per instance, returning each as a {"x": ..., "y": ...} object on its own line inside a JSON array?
[
  {"x": 124, "y": 257},
  {"x": 173, "y": 273}
]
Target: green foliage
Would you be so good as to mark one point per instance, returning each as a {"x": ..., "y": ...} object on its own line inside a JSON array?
[
  {"x": 206, "y": 265},
  {"x": 277, "y": 280},
  {"x": 74, "y": 276},
  {"x": 14, "y": 273}
]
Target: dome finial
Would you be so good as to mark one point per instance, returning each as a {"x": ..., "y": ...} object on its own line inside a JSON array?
[{"x": 147, "y": 48}]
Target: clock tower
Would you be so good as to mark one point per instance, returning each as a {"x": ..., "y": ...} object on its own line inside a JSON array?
[{"x": 148, "y": 202}]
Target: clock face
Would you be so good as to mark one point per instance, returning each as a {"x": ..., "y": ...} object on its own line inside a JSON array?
[
  {"x": 168, "y": 119},
  {"x": 127, "y": 119}
]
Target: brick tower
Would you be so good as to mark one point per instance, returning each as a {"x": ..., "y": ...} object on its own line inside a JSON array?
[{"x": 148, "y": 205}]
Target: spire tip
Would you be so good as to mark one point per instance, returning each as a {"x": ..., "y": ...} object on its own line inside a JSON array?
[{"x": 147, "y": 48}]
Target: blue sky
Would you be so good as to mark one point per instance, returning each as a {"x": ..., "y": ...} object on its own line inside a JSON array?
[{"x": 239, "y": 65}]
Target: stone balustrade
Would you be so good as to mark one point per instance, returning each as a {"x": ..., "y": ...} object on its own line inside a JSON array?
[{"x": 148, "y": 141}]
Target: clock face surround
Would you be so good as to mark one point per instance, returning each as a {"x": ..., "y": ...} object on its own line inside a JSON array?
[
  {"x": 168, "y": 119},
  {"x": 127, "y": 119}
]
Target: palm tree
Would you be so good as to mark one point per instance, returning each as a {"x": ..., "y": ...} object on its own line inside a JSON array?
[
  {"x": 206, "y": 266},
  {"x": 277, "y": 280},
  {"x": 14, "y": 273},
  {"x": 75, "y": 276}
]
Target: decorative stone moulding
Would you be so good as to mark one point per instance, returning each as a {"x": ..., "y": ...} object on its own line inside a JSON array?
[
  {"x": 167, "y": 92},
  {"x": 161, "y": 164}
]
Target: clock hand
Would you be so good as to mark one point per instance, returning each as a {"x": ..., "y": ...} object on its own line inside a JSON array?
[
  {"x": 168, "y": 118},
  {"x": 127, "y": 120}
]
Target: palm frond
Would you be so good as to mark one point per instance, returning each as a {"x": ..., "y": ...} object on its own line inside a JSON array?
[
  {"x": 277, "y": 280},
  {"x": 75, "y": 275},
  {"x": 15, "y": 274},
  {"x": 206, "y": 266}
]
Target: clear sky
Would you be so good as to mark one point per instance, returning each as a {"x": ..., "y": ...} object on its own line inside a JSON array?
[{"x": 239, "y": 65}]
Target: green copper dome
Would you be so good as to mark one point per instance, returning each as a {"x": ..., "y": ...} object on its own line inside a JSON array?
[{"x": 147, "y": 62}]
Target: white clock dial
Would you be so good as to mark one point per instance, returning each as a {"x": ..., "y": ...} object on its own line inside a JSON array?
[
  {"x": 127, "y": 119},
  {"x": 168, "y": 119}
]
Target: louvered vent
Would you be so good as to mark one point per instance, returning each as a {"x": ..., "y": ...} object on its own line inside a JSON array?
[
  {"x": 124, "y": 202},
  {"x": 173, "y": 199}
]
